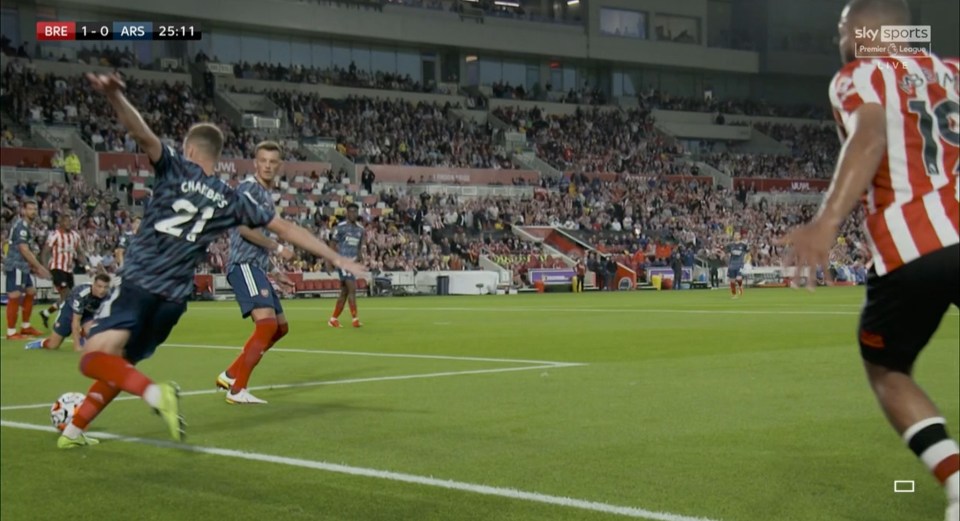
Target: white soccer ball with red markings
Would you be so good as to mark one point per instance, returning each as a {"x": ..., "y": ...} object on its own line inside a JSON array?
[{"x": 62, "y": 410}]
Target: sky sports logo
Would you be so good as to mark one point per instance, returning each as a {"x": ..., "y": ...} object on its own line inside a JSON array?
[{"x": 892, "y": 40}]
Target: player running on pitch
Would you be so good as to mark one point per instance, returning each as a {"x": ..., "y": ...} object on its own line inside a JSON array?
[
  {"x": 76, "y": 313},
  {"x": 190, "y": 208},
  {"x": 348, "y": 237},
  {"x": 250, "y": 261},
  {"x": 897, "y": 116},
  {"x": 737, "y": 256}
]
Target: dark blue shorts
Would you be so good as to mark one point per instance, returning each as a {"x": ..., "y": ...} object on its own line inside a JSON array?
[
  {"x": 18, "y": 280},
  {"x": 64, "y": 323},
  {"x": 733, "y": 273},
  {"x": 148, "y": 317},
  {"x": 346, "y": 275},
  {"x": 253, "y": 289}
]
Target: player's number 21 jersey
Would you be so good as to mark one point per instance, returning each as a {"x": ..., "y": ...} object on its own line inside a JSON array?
[{"x": 187, "y": 212}]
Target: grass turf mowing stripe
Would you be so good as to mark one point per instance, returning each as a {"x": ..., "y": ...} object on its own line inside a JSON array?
[
  {"x": 332, "y": 382},
  {"x": 384, "y": 355},
  {"x": 504, "y": 309},
  {"x": 509, "y": 493}
]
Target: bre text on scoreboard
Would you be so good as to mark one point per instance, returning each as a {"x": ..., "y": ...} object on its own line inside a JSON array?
[{"x": 68, "y": 31}]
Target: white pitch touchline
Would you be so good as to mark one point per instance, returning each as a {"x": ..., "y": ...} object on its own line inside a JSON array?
[
  {"x": 509, "y": 493},
  {"x": 334, "y": 382},
  {"x": 382, "y": 355}
]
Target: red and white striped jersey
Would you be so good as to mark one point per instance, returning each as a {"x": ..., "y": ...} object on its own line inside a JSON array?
[
  {"x": 63, "y": 248},
  {"x": 912, "y": 205}
]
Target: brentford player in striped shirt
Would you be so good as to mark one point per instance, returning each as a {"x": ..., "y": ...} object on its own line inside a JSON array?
[
  {"x": 898, "y": 118},
  {"x": 62, "y": 247}
]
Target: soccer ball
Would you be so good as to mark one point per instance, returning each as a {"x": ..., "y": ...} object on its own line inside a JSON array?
[{"x": 62, "y": 410}]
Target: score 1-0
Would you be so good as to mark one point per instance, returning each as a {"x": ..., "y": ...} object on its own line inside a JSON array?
[{"x": 94, "y": 31}]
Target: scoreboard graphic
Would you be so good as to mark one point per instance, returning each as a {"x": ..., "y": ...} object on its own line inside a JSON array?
[{"x": 70, "y": 31}]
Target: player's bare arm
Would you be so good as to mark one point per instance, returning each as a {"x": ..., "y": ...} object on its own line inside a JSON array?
[
  {"x": 261, "y": 240},
  {"x": 45, "y": 254},
  {"x": 31, "y": 259},
  {"x": 76, "y": 331},
  {"x": 112, "y": 87},
  {"x": 859, "y": 159},
  {"x": 301, "y": 238}
]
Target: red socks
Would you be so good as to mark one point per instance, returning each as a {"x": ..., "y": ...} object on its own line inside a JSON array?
[
  {"x": 338, "y": 309},
  {"x": 115, "y": 372},
  {"x": 257, "y": 344},
  {"x": 234, "y": 368},
  {"x": 99, "y": 396},
  {"x": 353, "y": 309},
  {"x": 13, "y": 306},
  {"x": 281, "y": 332},
  {"x": 27, "y": 307},
  {"x": 733, "y": 287}
]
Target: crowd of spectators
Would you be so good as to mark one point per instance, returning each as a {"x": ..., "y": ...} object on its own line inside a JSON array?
[
  {"x": 350, "y": 76},
  {"x": 395, "y": 132},
  {"x": 813, "y": 150},
  {"x": 641, "y": 221},
  {"x": 654, "y": 98},
  {"x": 598, "y": 141},
  {"x": 31, "y": 97}
]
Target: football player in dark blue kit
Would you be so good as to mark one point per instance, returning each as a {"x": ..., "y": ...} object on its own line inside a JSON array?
[
  {"x": 189, "y": 209},
  {"x": 737, "y": 250},
  {"x": 250, "y": 262},
  {"x": 124, "y": 242},
  {"x": 76, "y": 312},
  {"x": 348, "y": 238}
]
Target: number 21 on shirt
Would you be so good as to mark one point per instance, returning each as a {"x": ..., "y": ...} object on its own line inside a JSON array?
[{"x": 186, "y": 212}]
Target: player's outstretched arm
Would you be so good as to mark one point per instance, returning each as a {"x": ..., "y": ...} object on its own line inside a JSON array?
[
  {"x": 858, "y": 162},
  {"x": 301, "y": 238},
  {"x": 111, "y": 86}
]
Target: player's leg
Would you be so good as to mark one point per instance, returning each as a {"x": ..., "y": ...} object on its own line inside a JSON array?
[
  {"x": 63, "y": 291},
  {"x": 265, "y": 328},
  {"x": 902, "y": 312},
  {"x": 128, "y": 326},
  {"x": 14, "y": 292},
  {"x": 62, "y": 327},
  {"x": 54, "y": 341},
  {"x": 257, "y": 300},
  {"x": 27, "y": 310},
  {"x": 341, "y": 301},
  {"x": 740, "y": 284},
  {"x": 732, "y": 279},
  {"x": 351, "y": 285}
]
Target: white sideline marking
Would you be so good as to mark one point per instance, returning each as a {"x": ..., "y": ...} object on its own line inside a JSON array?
[
  {"x": 487, "y": 490},
  {"x": 332, "y": 382},
  {"x": 382, "y": 355}
]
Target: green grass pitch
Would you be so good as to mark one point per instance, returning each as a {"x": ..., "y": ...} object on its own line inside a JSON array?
[{"x": 669, "y": 406}]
